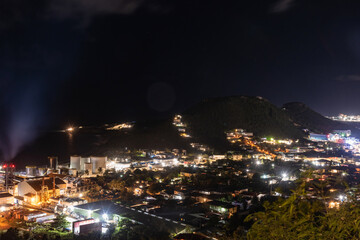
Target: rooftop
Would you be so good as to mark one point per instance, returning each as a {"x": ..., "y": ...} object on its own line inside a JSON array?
[
  {"x": 37, "y": 184},
  {"x": 5, "y": 194}
]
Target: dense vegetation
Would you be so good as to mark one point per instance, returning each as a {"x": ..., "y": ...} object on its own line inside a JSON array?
[{"x": 302, "y": 217}]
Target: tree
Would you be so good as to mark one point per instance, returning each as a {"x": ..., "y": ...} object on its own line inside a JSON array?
[
  {"x": 154, "y": 188},
  {"x": 86, "y": 172},
  {"x": 300, "y": 217},
  {"x": 60, "y": 222},
  {"x": 117, "y": 185},
  {"x": 100, "y": 169},
  {"x": 107, "y": 173},
  {"x": 11, "y": 234}
]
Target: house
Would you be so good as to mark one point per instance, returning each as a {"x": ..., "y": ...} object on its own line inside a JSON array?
[
  {"x": 6, "y": 198},
  {"x": 223, "y": 208},
  {"x": 203, "y": 198},
  {"x": 6, "y": 201}
]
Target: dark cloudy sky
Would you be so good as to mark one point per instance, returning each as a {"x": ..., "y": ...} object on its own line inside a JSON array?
[{"x": 91, "y": 61}]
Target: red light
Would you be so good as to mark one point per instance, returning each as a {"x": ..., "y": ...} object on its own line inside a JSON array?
[
  {"x": 4, "y": 166},
  {"x": 12, "y": 165}
]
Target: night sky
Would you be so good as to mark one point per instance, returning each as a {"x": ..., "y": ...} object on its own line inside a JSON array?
[{"x": 96, "y": 61}]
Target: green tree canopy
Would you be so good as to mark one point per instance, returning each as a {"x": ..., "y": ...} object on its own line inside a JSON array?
[{"x": 302, "y": 217}]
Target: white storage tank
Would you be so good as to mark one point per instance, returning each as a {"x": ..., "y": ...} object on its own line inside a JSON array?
[
  {"x": 31, "y": 170},
  {"x": 98, "y": 162},
  {"x": 42, "y": 171},
  {"x": 73, "y": 172},
  {"x": 75, "y": 162},
  {"x": 84, "y": 160},
  {"x": 88, "y": 166}
]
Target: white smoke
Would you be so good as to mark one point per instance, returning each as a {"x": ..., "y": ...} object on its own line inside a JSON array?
[
  {"x": 282, "y": 6},
  {"x": 91, "y": 8}
]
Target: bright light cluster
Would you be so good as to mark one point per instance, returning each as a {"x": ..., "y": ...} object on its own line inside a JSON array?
[
  {"x": 121, "y": 126},
  {"x": 346, "y": 118}
]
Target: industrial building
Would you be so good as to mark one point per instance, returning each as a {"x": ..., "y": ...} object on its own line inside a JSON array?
[
  {"x": 102, "y": 210},
  {"x": 40, "y": 190},
  {"x": 91, "y": 164},
  {"x": 6, "y": 201},
  {"x": 318, "y": 137}
]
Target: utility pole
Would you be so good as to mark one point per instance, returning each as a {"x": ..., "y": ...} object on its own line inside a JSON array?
[
  {"x": 6, "y": 178},
  {"x": 43, "y": 189},
  {"x": 53, "y": 185}
]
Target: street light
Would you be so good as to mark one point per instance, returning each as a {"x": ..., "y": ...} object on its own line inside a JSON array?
[
  {"x": 342, "y": 198},
  {"x": 105, "y": 217},
  {"x": 284, "y": 175}
]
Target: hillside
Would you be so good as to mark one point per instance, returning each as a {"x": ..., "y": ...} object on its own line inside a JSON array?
[
  {"x": 160, "y": 134},
  {"x": 315, "y": 122},
  {"x": 207, "y": 123},
  {"x": 208, "y": 120}
]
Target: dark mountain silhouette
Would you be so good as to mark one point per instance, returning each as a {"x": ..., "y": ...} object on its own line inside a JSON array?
[
  {"x": 209, "y": 119},
  {"x": 315, "y": 122},
  {"x": 206, "y": 122}
]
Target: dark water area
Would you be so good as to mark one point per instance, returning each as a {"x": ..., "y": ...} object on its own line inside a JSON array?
[
  {"x": 97, "y": 141},
  {"x": 59, "y": 144}
]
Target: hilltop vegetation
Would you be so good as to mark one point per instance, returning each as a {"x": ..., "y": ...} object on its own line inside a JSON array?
[
  {"x": 315, "y": 122},
  {"x": 209, "y": 120}
]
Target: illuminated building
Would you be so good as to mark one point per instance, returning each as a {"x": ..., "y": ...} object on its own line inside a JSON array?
[
  {"x": 86, "y": 226},
  {"x": 318, "y": 137},
  {"x": 223, "y": 208},
  {"x": 127, "y": 125},
  {"x": 82, "y": 163},
  {"x": 6, "y": 201},
  {"x": 40, "y": 190},
  {"x": 102, "y": 211},
  {"x": 6, "y": 198}
]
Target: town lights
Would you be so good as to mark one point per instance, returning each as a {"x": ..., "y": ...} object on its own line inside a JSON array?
[{"x": 333, "y": 204}]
